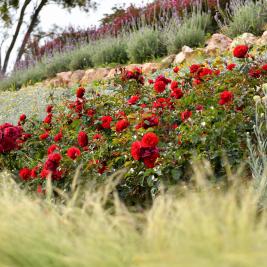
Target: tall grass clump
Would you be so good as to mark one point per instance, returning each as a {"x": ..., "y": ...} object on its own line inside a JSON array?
[
  {"x": 190, "y": 31},
  {"x": 243, "y": 16},
  {"x": 145, "y": 44},
  {"x": 204, "y": 227},
  {"x": 109, "y": 50}
]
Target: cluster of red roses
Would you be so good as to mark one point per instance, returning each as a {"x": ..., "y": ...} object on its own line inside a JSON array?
[
  {"x": 146, "y": 150},
  {"x": 169, "y": 94},
  {"x": 241, "y": 51},
  {"x": 10, "y": 136},
  {"x": 135, "y": 74}
]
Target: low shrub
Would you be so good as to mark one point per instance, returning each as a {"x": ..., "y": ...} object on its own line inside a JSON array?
[
  {"x": 108, "y": 51},
  {"x": 190, "y": 32},
  {"x": 244, "y": 16},
  {"x": 58, "y": 63},
  {"x": 81, "y": 59},
  {"x": 145, "y": 44}
]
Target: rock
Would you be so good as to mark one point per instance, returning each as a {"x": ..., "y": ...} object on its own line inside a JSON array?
[
  {"x": 244, "y": 39},
  {"x": 150, "y": 67},
  {"x": 183, "y": 55},
  {"x": 132, "y": 66},
  {"x": 218, "y": 43},
  {"x": 76, "y": 77},
  {"x": 111, "y": 74},
  {"x": 167, "y": 61},
  {"x": 64, "y": 77},
  {"x": 263, "y": 39},
  {"x": 55, "y": 82},
  {"x": 94, "y": 75}
]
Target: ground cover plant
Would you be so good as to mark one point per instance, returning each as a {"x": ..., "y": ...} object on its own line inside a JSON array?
[{"x": 152, "y": 128}]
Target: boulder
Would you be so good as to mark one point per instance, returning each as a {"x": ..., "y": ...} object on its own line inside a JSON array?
[
  {"x": 55, "y": 82},
  {"x": 132, "y": 66},
  {"x": 111, "y": 74},
  {"x": 91, "y": 75},
  {"x": 76, "y": 77},
  {"x": 244, "y": 39},
  {"x": 167, "y": 61},
  {"x": 150, "y": 67},
  {"x": 183, "y": 55},
  {"x": 263, "y": 39},
  {"x": 64, "y": 77},
  {"x": 218, "y": 43}
]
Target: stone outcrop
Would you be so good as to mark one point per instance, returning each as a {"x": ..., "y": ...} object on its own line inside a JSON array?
[
  {"x": 263, "y": 39},
  {"x": 246, "y": 38},
  {"x": 183, "y": 55},
  {"x": 94, "y": 75},
  {"x": 218, "y": 43}
]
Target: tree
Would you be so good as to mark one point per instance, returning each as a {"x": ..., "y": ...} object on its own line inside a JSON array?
[{"x": 6, "y": 17}]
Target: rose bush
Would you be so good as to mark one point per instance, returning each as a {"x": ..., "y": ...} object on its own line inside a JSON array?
[{"x": 153, "y": 127}]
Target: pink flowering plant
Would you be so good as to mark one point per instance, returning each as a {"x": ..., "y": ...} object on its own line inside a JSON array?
[{"x": 152, "y": 127}]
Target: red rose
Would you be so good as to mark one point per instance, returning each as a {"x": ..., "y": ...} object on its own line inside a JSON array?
[
  {"x": 97, "y": 136},
  {"x": 226, "y": 97},
  {"x": 136, "y": 150},
  {"x": 133, "y": 99},
  {"x": 121, "y": 125},
  {"x": 58, "y": 137},
  {"x": 231, "y": 66},
  {"x": 176, "y": 69},
  {"x": 25, "y": 174},
  {"x": 162, "y": 78},
  {"x": 44, "y": 136},
  {"x": 149, "y": 140},
  {"x": 48, "y": 118},
  {"x": 52, "y": 148},
  {"x": 150, "y": 161},
  {"x": 194, "y": 68},
  {"x": 80, "y": 92},
  {"x": 185, "y": 115},
  {"x": 73, "y": 153},
  {"x": 174, "y": 85},
  {"x": 90, "y": 112},
  {"x": 264, "y": 67},
  {"x": 49, "y": 108},
  {"x": 199, "y": 108},
  {"x": 204, "y": 72},
  {"x": 34, "y": 172},
  {"x": 22, "y": 117},
  {"x": 254, "y": 73},
  {"x": 82, "y": 139},
  {"x": 177, "y": 93},
  {"x": 106, "y": 120},
  {"x": 56, "y": 157},
  {"x": 149, "y": 121},
  {"x": 159, "y": 86},
  {"x": 240, "y": 51}
]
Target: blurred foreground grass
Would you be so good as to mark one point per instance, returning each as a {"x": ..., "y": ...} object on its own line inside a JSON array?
[{"x": 207, "y": 226}]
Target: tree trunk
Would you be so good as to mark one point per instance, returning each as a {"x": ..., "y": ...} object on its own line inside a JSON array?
[
  {"x": 27, "y": 35},
  {"x": 15, "y": 36}
]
